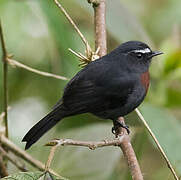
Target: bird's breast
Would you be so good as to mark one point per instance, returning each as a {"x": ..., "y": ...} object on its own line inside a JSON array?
[{"x": 145, "y": 80}]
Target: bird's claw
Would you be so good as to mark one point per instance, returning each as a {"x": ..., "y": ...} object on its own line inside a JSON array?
[
  {"x": 120, "y": 125},
  {"x": 113, "y": 130},
  {"x": 127, "y": 128}
]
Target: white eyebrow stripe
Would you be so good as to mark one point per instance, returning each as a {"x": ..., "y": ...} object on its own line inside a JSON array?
[{"x": 147, "y": 50}]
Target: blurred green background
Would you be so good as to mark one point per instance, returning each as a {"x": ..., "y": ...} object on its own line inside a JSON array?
[{"x": 38, "y": 35}]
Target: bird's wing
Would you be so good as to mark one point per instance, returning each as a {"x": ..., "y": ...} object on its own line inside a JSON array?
[
  {"x": 78, "y": 96},
  {"x": 89, "y": 90}
]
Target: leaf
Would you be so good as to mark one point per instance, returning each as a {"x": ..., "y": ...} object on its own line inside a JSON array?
[
  {"x": 31, "y": 176},
  {"x": 173, "y": 62},
  {"x": 49, "y": 176},
  {"x": 167, "y": 129}
]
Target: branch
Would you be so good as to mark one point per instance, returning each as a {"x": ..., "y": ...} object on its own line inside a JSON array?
[
  {"x": 121, "y": 141},
  {"x": 3, "y": 114},
  {"x": 100, "y": 26},
  {"x": 100, "y": 36},
  {"x": 50, "y": 158},
  {"x": 3, "y": 169},
  {"x": 18, "y": 64},
  {"x": 22, "y": 154},
  {"x": 158, "y": 145},
  {"x": 90, "y": 144},
  {"x": 5, "y": 79},
  {"x": 90, "y": 55},
  {"x": 129, "y": 152},
  {"x": 11, "y": 159}
]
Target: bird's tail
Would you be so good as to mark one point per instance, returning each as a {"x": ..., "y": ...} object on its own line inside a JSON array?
[{"x": 43, "y": 126}]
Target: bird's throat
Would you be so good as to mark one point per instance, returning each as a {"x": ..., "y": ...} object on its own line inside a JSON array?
[{"x": 145, "y": 80}]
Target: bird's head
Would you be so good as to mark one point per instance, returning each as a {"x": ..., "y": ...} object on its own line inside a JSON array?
[
  {"x": 137, "y": 53},
  {"x": 138, "y": 50}
]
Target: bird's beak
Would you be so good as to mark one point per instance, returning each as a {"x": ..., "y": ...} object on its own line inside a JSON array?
[{"x": 155, "y": 53}]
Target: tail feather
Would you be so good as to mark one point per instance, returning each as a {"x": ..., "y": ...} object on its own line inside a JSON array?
[{"x": 39, "y": 129}]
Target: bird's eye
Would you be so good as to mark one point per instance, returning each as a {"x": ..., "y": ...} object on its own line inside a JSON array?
[{"x": 139, "y": 55}]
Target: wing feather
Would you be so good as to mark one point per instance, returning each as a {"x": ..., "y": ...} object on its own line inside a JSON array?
[{"x": 92, "y": 90}]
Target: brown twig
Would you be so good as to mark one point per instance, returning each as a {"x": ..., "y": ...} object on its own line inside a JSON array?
[
  {"x": 13, "y": 160},
  {"x": 158, "y": 144},
  {"x": 128, "y": 152},
  {"x": 18, "y": 64},
  {"x": 100, "y": 26},
  {"x": 3, "y": 169},
  {"x": 50, "y": 158},
  {"x": 22, "y": 154},
  {"x": 5, "y": 79},
  {"x": 90, "y": 144},
  {"x": 3, "y": 114}
]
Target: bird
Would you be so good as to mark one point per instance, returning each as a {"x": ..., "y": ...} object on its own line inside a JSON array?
[{"x": 109, "y": 87}]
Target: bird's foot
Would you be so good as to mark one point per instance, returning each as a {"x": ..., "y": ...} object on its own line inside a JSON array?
[
  {"x": 126, "y": 127},
  {"x": 113, "y": 130},
  {"x": 119, "y": 124}
]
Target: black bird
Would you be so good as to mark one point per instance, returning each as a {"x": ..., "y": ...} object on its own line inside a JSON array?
[{"x": 109, "y": 87}]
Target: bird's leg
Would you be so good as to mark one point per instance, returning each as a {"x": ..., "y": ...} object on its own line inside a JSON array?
[{"x": 118, "y": 124}]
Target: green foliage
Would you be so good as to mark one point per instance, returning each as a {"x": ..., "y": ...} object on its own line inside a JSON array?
[
  {"x": 167, "y": 129},
  {"x": 173, "y": 62},
  {"x": 32, "y": 176}
]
